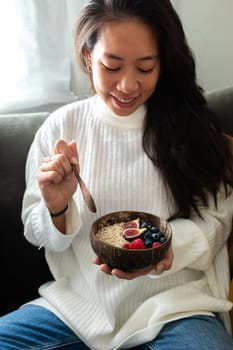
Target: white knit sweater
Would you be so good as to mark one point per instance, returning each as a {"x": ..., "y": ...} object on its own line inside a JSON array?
[{"x": 107, "y": 312}]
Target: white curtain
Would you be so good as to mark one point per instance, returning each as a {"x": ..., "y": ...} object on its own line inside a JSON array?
[
  {"x": 79, "y": 80},
  {"x": 35, "y": 54}
]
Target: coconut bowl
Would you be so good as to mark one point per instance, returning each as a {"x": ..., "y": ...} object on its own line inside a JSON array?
[{"x": 129, "y": 259}]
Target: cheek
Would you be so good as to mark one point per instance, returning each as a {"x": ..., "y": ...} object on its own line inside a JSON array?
[{"x": 101, "y": 80}]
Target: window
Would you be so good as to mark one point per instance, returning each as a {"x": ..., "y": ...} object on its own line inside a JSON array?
[{"x": 35, "y": 59}]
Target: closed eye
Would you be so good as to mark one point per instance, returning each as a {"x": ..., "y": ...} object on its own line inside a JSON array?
[
  {"x": 145, "y": 70},
  {"x": 110, "y": 69}
]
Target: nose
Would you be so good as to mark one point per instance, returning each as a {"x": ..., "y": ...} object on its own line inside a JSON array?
[{"x": 128, "y": 83}]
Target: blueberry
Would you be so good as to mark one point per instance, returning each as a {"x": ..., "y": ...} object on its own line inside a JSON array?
[
  {"x": 156, "y": 236},
  {"x": 143, "y": 224},
  {"x": 154, "y": 229},
  {"x": 148, "y": 234},
  {"x": 148, "y": 224},
  {"x": 148, "y": 243},
  {"x": 162, "y": 239}
]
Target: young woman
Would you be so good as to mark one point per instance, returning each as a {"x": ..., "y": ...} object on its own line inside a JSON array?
[{"x": 145, "y": 141}]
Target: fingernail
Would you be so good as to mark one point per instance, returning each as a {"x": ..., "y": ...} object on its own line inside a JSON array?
[
  {"x": 74, "y": 160},
  {"x": 160, "y": 267}
]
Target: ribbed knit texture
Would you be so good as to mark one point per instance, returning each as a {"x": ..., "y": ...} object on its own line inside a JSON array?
[{"x": 107, "y": 312}]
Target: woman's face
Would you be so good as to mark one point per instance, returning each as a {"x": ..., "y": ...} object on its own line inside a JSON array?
[{"x": 125, "y": 65}]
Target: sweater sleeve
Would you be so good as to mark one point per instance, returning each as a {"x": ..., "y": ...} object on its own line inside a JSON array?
[
  {"x": 197, "y": 241},
  {"x": 38, "y": 225}
]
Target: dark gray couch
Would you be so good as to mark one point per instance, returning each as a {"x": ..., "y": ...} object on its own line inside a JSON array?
[{"x": 22, "y": 265}]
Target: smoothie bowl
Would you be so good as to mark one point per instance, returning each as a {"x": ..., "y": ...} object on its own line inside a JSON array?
[{"x": 130, "y": 240}]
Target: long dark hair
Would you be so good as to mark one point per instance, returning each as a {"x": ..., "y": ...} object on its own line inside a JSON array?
[{"x": 182, "y": 137}]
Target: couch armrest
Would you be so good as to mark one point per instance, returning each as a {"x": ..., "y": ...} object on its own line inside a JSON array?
[{"x": 22, "y": 266}]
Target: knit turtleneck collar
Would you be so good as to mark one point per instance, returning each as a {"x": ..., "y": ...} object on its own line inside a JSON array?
[{"x": 106, "y": 115}]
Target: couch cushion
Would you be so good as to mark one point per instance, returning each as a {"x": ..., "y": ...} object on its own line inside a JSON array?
[
  {"x": 221, "y": 102},
  {"x": 20, "y": 261},
  {"x": 16, "y": 134}
]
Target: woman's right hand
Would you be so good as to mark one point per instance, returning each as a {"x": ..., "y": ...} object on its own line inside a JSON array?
[{"x": 56, "y": 178}]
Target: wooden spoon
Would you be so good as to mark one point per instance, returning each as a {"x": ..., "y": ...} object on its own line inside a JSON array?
[{"x": 85, "y": 192}]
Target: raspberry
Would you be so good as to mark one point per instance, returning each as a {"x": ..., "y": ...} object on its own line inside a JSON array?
[
  {"x": 126, "y": 246},
  {"x": 156, "y": 244},
  {"x": 137, "y": 244}
]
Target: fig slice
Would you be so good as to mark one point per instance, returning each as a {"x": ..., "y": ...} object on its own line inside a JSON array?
[
  {"x": 131, "y": 233},
  {"x": 132, "y": 224}
]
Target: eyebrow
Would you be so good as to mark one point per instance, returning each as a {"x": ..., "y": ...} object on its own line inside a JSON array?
[{"x": 146, "y": 58}]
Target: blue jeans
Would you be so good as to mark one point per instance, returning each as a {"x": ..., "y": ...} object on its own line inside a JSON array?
[{"x": 33, "y": 327}]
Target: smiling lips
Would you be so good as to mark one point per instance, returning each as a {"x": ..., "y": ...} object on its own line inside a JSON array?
[{"x": 125, "y": 102}]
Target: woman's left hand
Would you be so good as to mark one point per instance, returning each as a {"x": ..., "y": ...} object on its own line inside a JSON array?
[{"x": 163, "y": 265}]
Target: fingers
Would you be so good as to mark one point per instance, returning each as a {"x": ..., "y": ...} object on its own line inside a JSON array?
[
  {"x": 73, "y": 147},
  {"x": 96, "y": 260},
  {"x": 131, "y": 274},
  {"x": 163, "y": 265},
  {"x": 68, "y": 150},
  {"x": 57, "y": 165},
  {"x": 119, "y": 273},
  {"x": 166, "y": 263},
  {"x": 103, "y": 267}
]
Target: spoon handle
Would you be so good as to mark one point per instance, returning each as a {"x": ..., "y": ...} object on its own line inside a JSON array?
[{"x": 85, "y": 192}]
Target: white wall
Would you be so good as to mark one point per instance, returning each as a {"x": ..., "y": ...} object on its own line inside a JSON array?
[
  {"x": 209, "y": 28},
  {"x": 79, "y": 83}
]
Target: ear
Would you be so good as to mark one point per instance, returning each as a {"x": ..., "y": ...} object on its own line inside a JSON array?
[{"x": 87, "y": 56}]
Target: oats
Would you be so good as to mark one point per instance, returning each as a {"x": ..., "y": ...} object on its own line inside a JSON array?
[{"x": 112, "y": 234}]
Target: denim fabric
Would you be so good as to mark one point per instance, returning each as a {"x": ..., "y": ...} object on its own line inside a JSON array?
[
  {"x": 192, "y": 333},
  {"x": 35, "y": 328}
]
